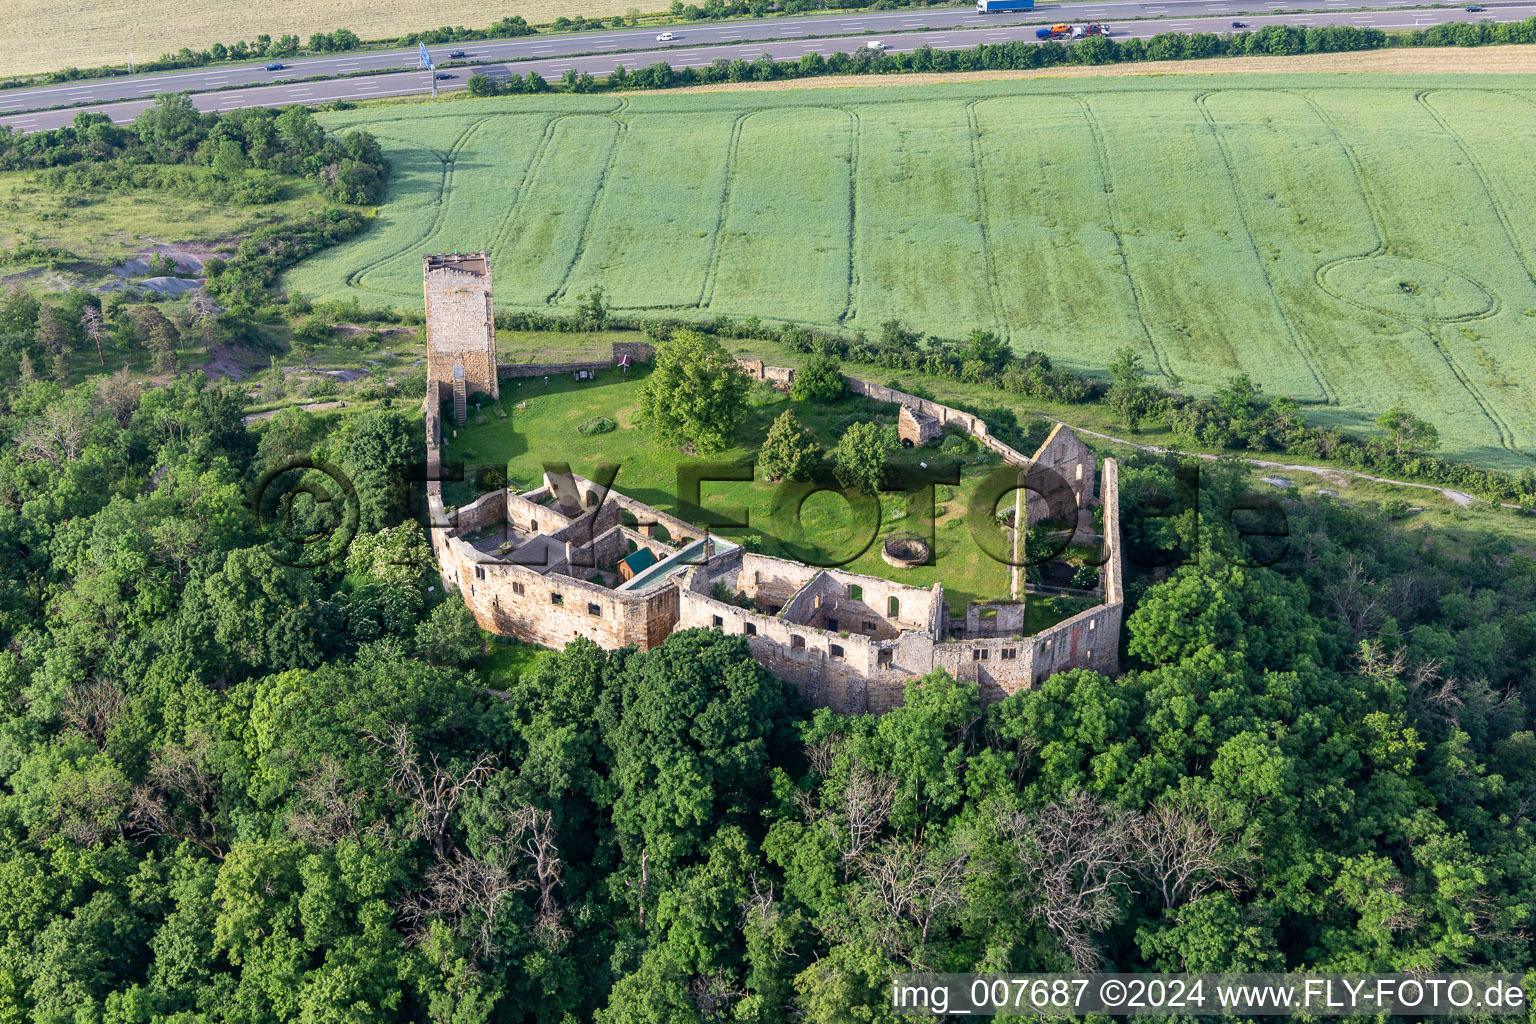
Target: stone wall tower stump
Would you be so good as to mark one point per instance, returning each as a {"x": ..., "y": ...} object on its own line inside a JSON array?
[{"x": 461, "y": 330}]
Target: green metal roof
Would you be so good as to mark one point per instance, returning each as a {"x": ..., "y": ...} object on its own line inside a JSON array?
[{"x": 640, "y": 560}]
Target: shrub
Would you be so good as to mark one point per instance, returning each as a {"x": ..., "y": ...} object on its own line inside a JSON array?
[{"x": 597, "y": 425}]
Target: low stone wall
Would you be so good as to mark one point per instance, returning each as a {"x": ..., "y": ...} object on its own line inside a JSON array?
[
  {"x": 638, "y": 352},
  {"x": 509, "y": 371}
]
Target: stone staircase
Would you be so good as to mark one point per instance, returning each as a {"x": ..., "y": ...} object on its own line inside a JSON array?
[{"x": 460, "y": 401}]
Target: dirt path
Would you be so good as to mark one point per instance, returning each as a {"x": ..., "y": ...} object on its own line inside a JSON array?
[
  {"x": 257, "y": 417},
  {"x": 1461, "y": 498}
]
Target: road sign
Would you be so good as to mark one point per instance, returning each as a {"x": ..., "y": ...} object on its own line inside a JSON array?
[{"x": 426, "y": 58}]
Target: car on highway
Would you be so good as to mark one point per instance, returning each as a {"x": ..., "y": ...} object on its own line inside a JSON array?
[
  {"x": 274, "y": 66},
  {"x": 1474, "y": 8},
  {"x": 443, "y": 76},
  {"x": 665, "y": 37},
  {"x": 875, "y": 44},
  {"x": 1239, "y": 24},
  {"x": 457, "y": 55}
]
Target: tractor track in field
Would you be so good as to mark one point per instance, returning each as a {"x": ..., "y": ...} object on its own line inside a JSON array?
[
  {"x": 1506, "y": 436},
  {"x": 989, "y": 258},
  {"x": 717, "y": 244},
  {"x": 1309, "y": 359},
  {"x": 357, "y": 278},
  {"x": 530, "y": 173},
  {"x": 1510, "y": 234},
  {"x": 1101, "y": 152},
  {"x": 599, "y": 195},
  {"x": 855, "y": 152}
]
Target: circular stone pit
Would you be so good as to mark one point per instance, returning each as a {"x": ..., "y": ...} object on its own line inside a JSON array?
[{"x": 905, "y": 551}]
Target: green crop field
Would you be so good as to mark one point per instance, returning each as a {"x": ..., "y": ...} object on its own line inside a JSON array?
[{"x": 1352, "y": 241}]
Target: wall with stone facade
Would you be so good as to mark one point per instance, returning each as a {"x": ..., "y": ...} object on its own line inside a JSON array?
[{"x": 460, "y": 327}]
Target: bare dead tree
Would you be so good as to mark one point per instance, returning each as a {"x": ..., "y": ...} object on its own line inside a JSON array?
[
  {"x": 179, "y": 799},
  {"x": 1183, "y": 854},
  {"x": 328, "y": 811},
  {"x": 204, "y": 313},
  {"x": 533, "y": 836},
  {"x": 714, "y": 994},
  {"x": 433, "y": 790},
  {"x": 643, "y": 886},
  {"x": 868, "y": 797},
  {"x": 95, "y": 329},
  {"x": 822, "y": 754},
  {"x": 93, "y": 707},
  {"x": 56, "y": 436},
  {"x": 913, "y": 886},
  {"x": 465, "y": 892},
  {"x": 1357, "y": 600},
  {"x": 121, "y": 393},
  {"x": 1074, "y": 866}
]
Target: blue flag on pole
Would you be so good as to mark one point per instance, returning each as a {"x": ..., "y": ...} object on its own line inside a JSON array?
[{"x": 426, "y": 61}]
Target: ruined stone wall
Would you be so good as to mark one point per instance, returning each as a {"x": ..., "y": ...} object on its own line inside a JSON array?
[
  {"x": 484, "y": 511},
  {"x": 1000, "y": 666},
  {"x": 1065, "y": 454},
  {"x": 610, "y": 619},
  {"x": 914, "y": 605},
  {"x": 459, "y": 328},
  {"x": 772, "y": 580},
  {"x": 638, "y": 352},
  {"x": 512, "y": 371},
  {"x": 526, "y": 513},
  {"x": 432, "y": 409},
  {"x": 842, "y": 673},
  {"x": 1090, "y": 639}
]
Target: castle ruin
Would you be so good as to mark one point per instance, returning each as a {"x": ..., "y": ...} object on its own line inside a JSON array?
[{"x": 573, "y": 558}]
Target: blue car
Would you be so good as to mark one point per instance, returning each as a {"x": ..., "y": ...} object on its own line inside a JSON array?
[{"x": 274, "y": 67}]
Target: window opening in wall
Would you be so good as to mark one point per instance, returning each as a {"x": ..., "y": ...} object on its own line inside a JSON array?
[
  {"x": 479, "y": 572},
  {"x": 1009, "y": 653},
  {"x": 893, "y": 607},
  {"x": 594, "y": 609},
  {"x": 869, "y": 627},
  {"x": 884, "y": 659},
  {"x": 797, "y": 643},
  {"x": 835, "y": 651},
  {"x": 517, "y": 588},
  {"x": 832, "y": 625},
  {"x": 719, "y": 622},
  {"x": 751, "y": 629},
  {"x": 533, "y": 526},
  {"x": 556, "y": 598},
  {"x": 1092, "y": 624},
  {"x": 855, "y": 592},
  {"x": 1088, "y": 655}
]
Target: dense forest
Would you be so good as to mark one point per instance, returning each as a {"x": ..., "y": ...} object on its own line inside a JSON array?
[{"x": 234, "y": 790}]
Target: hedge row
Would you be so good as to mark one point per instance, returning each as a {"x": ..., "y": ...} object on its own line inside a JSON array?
[{"x": 1271, "y": 40}]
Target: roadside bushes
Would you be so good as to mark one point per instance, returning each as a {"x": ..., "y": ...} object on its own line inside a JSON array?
[
  {"x": 484, "y": 85},
  {"x": 1272, "y": 40}
]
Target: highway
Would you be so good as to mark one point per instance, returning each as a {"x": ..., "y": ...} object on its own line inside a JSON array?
[{"x": 967, "y": 29}]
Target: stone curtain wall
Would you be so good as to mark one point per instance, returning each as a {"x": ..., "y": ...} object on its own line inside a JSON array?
[
  {"x": 638, "y": 352},
  {"x": 1063, "y": 452}
]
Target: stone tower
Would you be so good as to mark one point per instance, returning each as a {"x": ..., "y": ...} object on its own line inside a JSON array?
[{"x": 461, "y": 334}]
